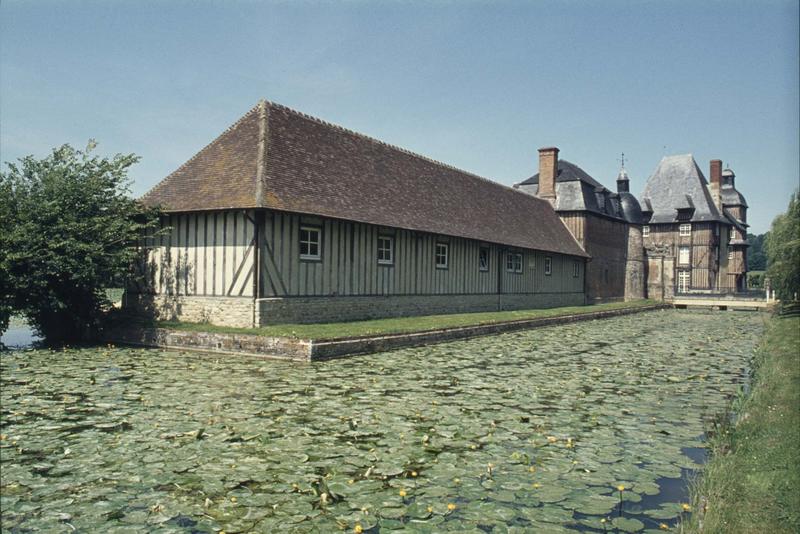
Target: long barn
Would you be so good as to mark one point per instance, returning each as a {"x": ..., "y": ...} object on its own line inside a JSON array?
[{"x": 287, "y": 218}]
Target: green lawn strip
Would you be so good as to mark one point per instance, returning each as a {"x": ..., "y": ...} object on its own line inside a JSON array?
[
  {"x": 327, "y": 331},
  {"x": 752, "y": 482}
]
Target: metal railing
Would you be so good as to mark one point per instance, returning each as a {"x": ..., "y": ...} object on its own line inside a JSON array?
[{"x": 719, "y": 291}]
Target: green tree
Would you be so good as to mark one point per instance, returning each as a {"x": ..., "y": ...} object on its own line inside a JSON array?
[
  {"x": 69, "y": 230},
  {"x": 783, "y": 251},
  {"x": 756, "y": 257}
]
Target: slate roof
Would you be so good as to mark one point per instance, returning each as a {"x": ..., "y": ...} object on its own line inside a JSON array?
[
  {"x": 576, "y": 190},
  {"x": 678, "y": 183},
  {"x": 731, "y": 197},
  {"x": 278, "y": 158},
  {"x": 631, "y": 209}
]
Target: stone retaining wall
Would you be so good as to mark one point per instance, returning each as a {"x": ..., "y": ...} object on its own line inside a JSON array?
[
  {"x": 310, "y": 350},
  {"x": 233, "y": 344}
]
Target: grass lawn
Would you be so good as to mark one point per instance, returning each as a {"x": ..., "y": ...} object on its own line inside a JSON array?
[
  {"x": 398, "y": 325},
  {"x": 752, "y": 483}
]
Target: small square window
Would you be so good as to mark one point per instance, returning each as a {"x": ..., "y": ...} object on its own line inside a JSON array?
[
  {"x": 514, "y": 262},
  {"x": 576, "y": 269},
  {"x": 683, "y": 255},
  {"x": 385, "y": 250},
  {"x": 645, "y": 231},
  {"x": 310, "y": 243},
  {"x": 441, "y": 255},
  {"x": 548, "y": 265},
  {"x": 685, "y": 230},
  {"x": 730, "y": 254},
  {"x": 483, "y": 259}
]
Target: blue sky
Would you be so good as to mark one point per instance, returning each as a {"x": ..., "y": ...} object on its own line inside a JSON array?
[{"x": 479, "y": 85}]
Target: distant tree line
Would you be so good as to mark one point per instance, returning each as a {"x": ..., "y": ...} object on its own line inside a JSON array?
[{"x": 756, "y": 256}]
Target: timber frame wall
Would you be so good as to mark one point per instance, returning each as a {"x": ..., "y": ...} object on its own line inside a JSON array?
[
  {"x": 215, "y": 254},
  {"x": 708, "y": 253}
]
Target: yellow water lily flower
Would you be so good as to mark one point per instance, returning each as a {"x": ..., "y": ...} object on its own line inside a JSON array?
[
  {"x": 358, "y": 529},
  {"x": 552, "y": 439},
  {"x": 233, "y": 499},
  {"x": 430, "y": 509},
  {"x": 686, "y": 507},
  {"x": 663, "y": 526},
  {"x": 402, "y": 493},
  {"x": 532, "y": 469},
  {"x": 451, "y": 506},
  {"x": 537, "y": 485},
  {"x": 621, "y": 487},
  {"x": 413, "y": 473}
]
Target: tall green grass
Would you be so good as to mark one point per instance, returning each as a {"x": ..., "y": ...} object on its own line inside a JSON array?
[{"x": 752, "y": 482}]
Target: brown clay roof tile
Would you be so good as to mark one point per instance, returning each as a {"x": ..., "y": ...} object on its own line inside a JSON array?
[{"x": 314, "y": 167}]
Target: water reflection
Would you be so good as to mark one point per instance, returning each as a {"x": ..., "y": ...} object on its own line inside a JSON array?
[{"x": 19, "y": 336}]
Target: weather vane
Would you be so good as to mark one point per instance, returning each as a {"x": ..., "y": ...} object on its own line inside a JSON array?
[{"x": 622, "y": 160}]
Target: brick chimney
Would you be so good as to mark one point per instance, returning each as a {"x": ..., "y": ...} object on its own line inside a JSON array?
[
  {"x": 715, "y": 177},
  {"x": 548, "y": 171}
]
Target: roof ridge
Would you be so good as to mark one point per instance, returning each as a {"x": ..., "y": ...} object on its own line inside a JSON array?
[
  {"x": 160, "y": 184},
  {"x": 392, "y": 146}
]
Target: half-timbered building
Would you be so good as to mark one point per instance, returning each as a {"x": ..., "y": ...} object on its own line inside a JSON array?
[
  {"x": 608, "y": 225},
  {"x": 694, "y": 235},
  {"x": 287, "y": 218}
]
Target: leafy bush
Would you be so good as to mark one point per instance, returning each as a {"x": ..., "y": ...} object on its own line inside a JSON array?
[
  {"x": 783, "y": 251},
  {"x": 69, "y": 230}
]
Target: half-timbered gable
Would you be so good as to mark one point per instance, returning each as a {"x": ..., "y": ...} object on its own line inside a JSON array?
[{"x": 285, "y": 217}]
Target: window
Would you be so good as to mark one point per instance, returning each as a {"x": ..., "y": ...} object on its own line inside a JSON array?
[
  {"x": 548, "y": 265},
  {"x": 309, "y": 243},
  {"x": 684, "y": 278},
  {"x": 441, "y": 255},
  {"x": 576, "y": 269},
  {"x": 645, "y": 231},
  {"x": 385, "y": 250},
  {"x": 683, "y": 255},
  {"x": 483, "y": 259},
  {"x": 513, "y": 262},
  {"x": 685, "y": 230},
  {"x": 730, "y": 254}
]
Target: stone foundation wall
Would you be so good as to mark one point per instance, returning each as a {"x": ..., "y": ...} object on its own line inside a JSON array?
[
  {"x": 335, "y": 309},
  {"x": 236, "y": 344},
  {"x": 222, "y": 311}
]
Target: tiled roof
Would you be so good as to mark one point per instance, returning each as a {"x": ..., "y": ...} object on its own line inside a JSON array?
[
  {"x": 576, "y": 190},
  {"x": 278, "y": 158},
  {"x": 567, "y": 172},
  {"x": 731, "y": 197},
  {"x": 678, "y": 183}
]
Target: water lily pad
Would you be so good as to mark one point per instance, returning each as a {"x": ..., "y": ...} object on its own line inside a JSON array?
[
  {"x": 99, "y": 435},
  {"x": 626, "y": 524}
]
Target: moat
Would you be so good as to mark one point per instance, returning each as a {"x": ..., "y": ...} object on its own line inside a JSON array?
[{"x": 534, "y": 430}]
